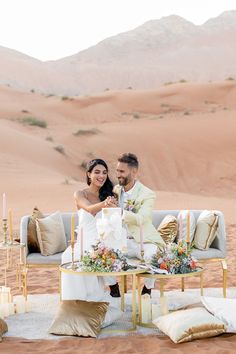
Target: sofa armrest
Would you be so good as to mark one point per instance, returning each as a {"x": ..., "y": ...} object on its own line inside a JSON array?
[{"x": 23, "y": 231}]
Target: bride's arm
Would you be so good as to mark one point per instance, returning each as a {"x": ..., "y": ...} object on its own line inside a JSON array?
[{"x": 83, "y": 203}]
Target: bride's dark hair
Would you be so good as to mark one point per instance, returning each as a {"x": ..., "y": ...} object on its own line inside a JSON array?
[{"x": 107, "y": 189}]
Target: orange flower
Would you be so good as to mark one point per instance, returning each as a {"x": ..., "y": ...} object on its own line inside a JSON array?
[{"x": 163, "y": 266}]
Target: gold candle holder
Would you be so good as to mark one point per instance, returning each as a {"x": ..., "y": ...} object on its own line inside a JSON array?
[
  {"x": 142, "y": 257},
  {"x": 4, "y": 227}
]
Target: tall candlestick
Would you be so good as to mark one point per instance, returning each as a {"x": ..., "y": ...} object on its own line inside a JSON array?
[
  {"x": 10, "y": 225},
  {"x": 141, "y": 242},
  {"x": 188, "y": 228},
  {"x": 81, "y": 243},
  {"x": 72, "y": 228},
  {"x": 4, "y": 206}
]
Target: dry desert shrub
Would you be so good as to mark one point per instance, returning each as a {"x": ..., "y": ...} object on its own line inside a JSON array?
[
  {"x": 60, "y": 149},
  {"x": 33, "y": 121},
  {"x": 91, "y": 131}
]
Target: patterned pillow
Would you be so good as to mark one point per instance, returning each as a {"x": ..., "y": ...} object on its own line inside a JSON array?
[
  {"x": 168, "y": 228},
  {"x": 79, "y": 318},
  {"x": 187, "y": 325},
  {"x": 187, "y": 225},
  {"x": 33, "y": 244},
  {"x": 206, "y": 230},
  {"x": 3, "y": 328}
]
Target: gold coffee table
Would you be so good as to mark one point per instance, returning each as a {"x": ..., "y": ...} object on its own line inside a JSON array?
[
  {"x": 162, "y": 278},
  {"x": 67, "y": 268}
]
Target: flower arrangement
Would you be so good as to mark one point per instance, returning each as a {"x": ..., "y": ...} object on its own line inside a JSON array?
[
  {"x": 103, "y": 259},
  {"x": 175, "y": 258},
  {"x": 132, "y": 205}
]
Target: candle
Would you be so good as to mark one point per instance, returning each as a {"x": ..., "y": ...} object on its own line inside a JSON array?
[
  {"x": 164, "y": 305},
  {"x": 4, "y": 206},
  {"x": 141, "y": 238},
  {"x": 146, "y": 308},
  {"x": 188, "y": 227},
  {"x": 72, "y": 228},
  {"x": 10, "y": 224},
  {"x": 156, "y": 311},
  {"x": 180, "y": 227},
  {"x": 19, "y": 302},
  {"x": 11, "y": 308},
  {"x": 81, "y": 243}
]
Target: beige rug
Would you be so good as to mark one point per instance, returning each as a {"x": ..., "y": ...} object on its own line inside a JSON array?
[{"x": 35, "y": 324}]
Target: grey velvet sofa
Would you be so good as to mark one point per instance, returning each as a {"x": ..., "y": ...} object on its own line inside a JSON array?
[{"x": 216, "y": 253}]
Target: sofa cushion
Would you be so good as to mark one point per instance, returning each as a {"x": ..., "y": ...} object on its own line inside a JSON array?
[
  {"x": 206, "y": 229},
  {"x": 37, "y": 258},
  {"x": 168, "y": 228},
  {"x": 187, "y": 325},
  {"x": 187, "y": 225},
  {"x": 32, "y": 239},
  {"x": 51, "y": 234},
  {"x": 79, "y": 318}
]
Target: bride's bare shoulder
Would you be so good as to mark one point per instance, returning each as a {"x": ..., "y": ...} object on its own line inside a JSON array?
[{"x": 81, "y": 194}]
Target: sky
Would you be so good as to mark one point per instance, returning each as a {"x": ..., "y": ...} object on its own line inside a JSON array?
[{"x": 53, "y": 29}]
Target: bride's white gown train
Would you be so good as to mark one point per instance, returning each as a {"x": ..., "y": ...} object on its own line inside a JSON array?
[{"x": 75, "y": 287}]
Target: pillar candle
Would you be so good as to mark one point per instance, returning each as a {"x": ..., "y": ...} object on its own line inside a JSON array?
[
  {"x": 81, "y": 243},
  {"x": 141, "y": 238},
  {"x": 156, "y": 311},
  {"x": 11, "y": 306},
  {"x": 188, "y": 227},
  {"x": 4, "y": 206},
  {"x": 146, "y": 308},
  {"x": 164, "y": 305},
  {"x": 72, "y": 230},
  {"x": 2, "y": 311},
  {"x": 20, "y": 304},
  {"x": 10, "y": 225}
]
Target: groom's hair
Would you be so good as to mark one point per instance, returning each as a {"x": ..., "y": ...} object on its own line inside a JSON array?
[{"x": 130, "y": 159}]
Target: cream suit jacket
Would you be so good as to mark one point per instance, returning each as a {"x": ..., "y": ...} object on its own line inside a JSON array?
[{"x": 144, "y": 199}]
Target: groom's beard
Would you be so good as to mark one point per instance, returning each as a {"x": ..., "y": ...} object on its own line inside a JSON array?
[{"x": 123, "y": 181}]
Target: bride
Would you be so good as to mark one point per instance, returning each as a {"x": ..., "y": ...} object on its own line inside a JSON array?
[{"x": 90, "y": 201}]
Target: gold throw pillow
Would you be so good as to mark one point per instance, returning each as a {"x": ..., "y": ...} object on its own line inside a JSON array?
[
  {"x": 168, "y": 228},
  {"x": 51, "y": 234},
  {"x": 79, "y": 318},
  {"x": 32, "y": 239},
  {"x": 187, "y": 325},
  {"x": 206, "y": 230},
  {"x": 3, "y": 328}
]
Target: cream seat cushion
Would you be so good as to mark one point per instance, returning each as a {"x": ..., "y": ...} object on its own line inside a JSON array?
[
  {"x": 168, "y": 228},
  {"x": 51, "y": 234},
  {"x": 206, "y": 229},
  {"x": 186, "y": 232},
  {"x": 186, "y": 325},
  {"x": 223, "y": 309},
  {"x": 79, "y": 318}
]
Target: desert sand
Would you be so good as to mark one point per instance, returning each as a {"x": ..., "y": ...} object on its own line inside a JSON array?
[{"x": 184, "y": 136}]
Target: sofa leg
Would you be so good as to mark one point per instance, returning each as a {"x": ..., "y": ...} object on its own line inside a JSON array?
[
  {"x": 224, "y": 268},
  {"x": 182, "y": 284}
]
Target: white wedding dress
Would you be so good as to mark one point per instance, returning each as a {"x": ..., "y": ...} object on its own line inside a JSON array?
[{"x": 74, "y": 287}]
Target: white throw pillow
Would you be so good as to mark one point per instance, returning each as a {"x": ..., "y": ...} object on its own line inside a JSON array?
[
  {"x": 206, "y": 229},
  {"x": 223, "y": 309},
  {"x": 184, "y": 217},
  {"x": 186, "y": 325},
  {"x": 113, "y": 314},
  {"x": 51, "y": 234}
]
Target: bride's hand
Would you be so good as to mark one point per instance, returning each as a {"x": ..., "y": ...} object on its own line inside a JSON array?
[{"x": 111, "y": 202}]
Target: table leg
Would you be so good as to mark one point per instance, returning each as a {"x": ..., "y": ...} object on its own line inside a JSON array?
[
  {"x": 122, "y": 300},
  {"x": 182, "y": 284},
  {"x": 201, "y": 283},
  {"x": 134, "y": 300}
]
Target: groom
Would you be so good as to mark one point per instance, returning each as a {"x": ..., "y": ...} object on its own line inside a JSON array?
[{"x": 137, "y": 202}]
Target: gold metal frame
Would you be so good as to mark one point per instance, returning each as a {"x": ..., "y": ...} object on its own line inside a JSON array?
[
  {"x": 123, "y": 275},
  {"x": 161, "y": 278},
  {"x": 224, "y": 269}
]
